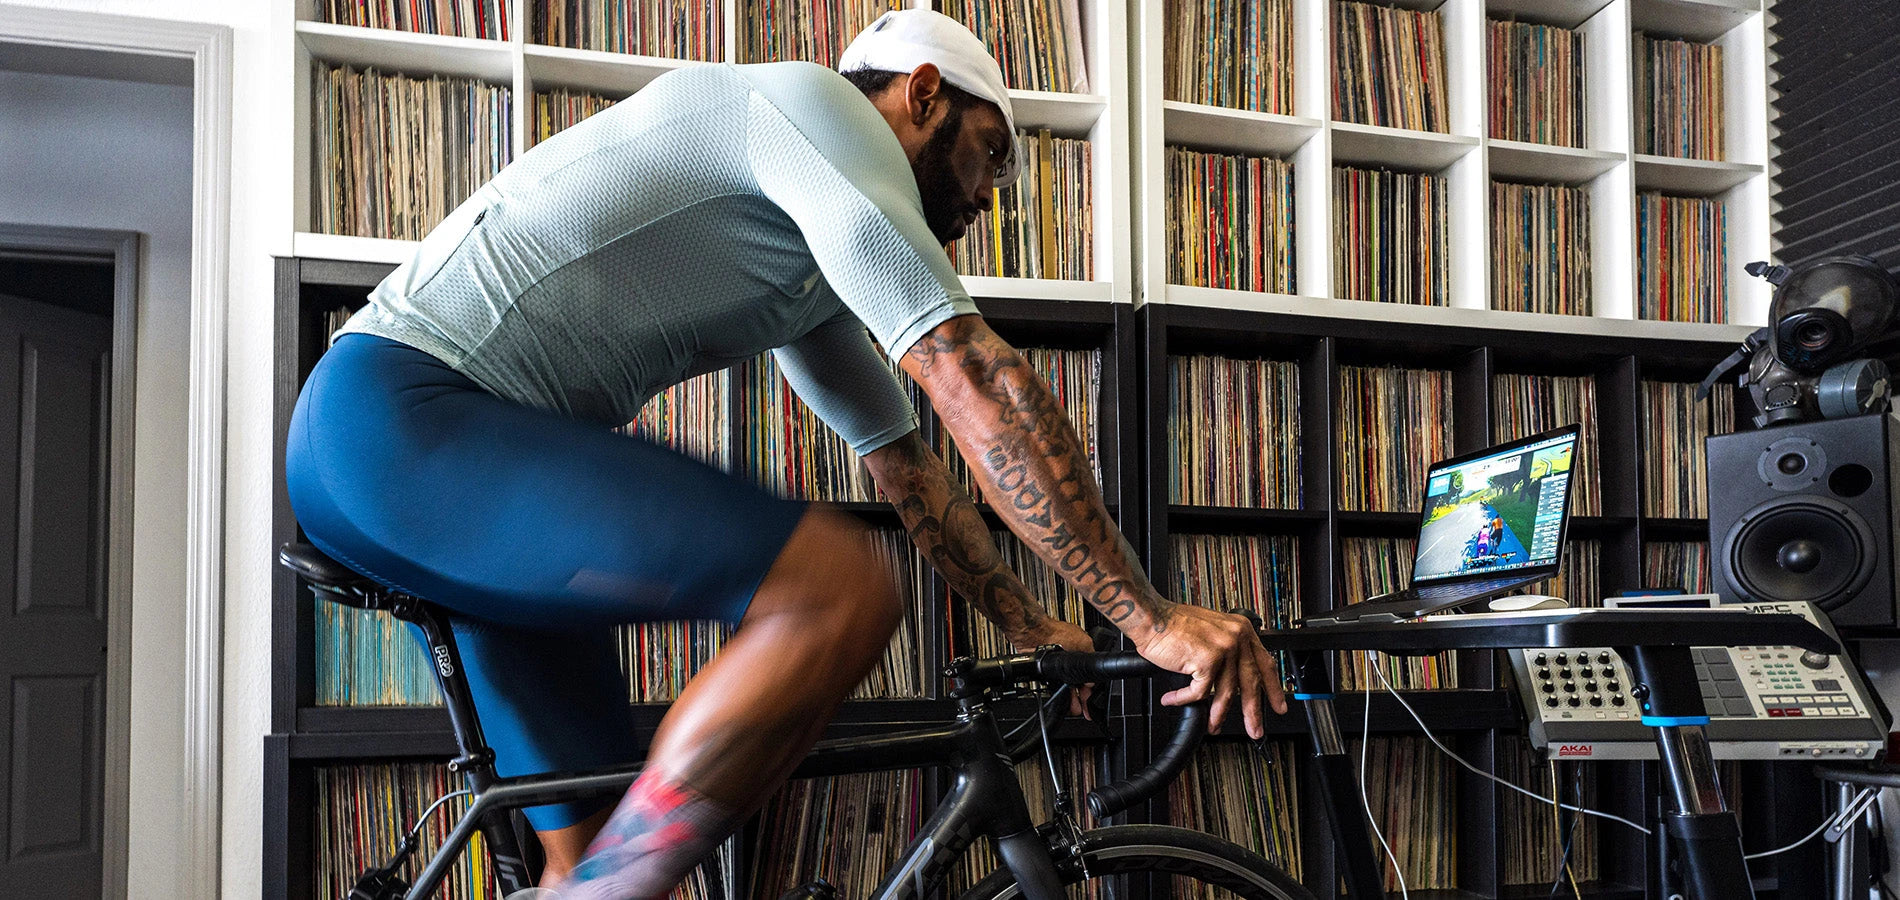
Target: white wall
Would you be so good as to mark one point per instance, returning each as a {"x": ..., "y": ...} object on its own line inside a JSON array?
[
  {"x": 84, "y": 152},
  {"x": 261, "y": 193}
]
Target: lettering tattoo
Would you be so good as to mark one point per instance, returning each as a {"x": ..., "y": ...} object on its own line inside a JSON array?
[
  {"x": 1039, "y": 478},
  {"x": 944, "y": 523}
]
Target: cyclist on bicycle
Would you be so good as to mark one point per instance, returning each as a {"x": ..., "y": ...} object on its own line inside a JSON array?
[{"x": 457, "y": 441}]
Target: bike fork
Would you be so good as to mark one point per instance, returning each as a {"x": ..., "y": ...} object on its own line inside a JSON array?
[{"x": 1357, "y": 863}]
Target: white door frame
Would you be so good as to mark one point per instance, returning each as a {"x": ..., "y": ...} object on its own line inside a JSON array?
[
  {"x": 122, "y": 248},
  {"x": 208, "y": 48}
]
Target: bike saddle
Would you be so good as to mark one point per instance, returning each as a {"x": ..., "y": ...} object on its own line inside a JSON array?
[{"x": 342, "y": 583}]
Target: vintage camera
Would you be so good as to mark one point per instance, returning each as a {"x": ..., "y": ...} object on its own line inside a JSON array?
[{"x": 1813, "y": 360}]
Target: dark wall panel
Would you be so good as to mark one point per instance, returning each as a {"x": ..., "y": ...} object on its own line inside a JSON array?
[{"x": 1838, "y": 74}]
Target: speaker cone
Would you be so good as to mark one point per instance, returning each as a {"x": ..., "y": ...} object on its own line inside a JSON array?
[{"x": 1800, "y": 548}]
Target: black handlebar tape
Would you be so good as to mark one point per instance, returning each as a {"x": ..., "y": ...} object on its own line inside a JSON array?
[
  {"x": 1091, "y": 668},
  {"x": 1112, "y": 799}
]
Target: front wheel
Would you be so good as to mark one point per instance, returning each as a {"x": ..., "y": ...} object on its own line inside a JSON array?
[{"x": 1201, "y": 859}]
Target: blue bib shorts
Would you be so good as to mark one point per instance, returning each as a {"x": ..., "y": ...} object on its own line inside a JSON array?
[{"x": 538, "y": 533}]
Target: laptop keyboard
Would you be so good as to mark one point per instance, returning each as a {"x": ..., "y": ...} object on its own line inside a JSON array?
[{"x": 1469, "y": 588}]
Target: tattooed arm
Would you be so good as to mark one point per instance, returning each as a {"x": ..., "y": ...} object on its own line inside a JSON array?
[
  {"x": 1026, "y": 454},
  {"x": 944, "y": 524}
]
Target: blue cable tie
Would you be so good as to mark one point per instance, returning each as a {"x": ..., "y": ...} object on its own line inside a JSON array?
[
  {"x": 1661, "y": 721},
  {"x": 1300, "y": 696}
]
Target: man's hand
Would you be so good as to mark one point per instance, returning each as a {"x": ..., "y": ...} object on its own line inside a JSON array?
[
  {"x": 1068, "y": 636},
  {"x": 1226, "y": 661}
]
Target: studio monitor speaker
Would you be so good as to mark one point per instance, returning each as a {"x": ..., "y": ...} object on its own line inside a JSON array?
[{"x": 1807, "y": 512}]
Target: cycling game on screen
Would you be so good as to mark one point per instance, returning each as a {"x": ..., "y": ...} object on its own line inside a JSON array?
[{"x": 1496, "y": 513}]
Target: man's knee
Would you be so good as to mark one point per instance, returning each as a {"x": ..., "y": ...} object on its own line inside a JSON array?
[{"x": 833, "y": 571}]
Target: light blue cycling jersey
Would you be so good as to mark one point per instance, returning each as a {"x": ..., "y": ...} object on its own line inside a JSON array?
[{"x": 722, "y": 211}]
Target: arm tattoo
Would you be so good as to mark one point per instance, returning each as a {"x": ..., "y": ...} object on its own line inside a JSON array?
[
  {"x": 1037, "y": 473},
  {"x": 944, "y": 523}
]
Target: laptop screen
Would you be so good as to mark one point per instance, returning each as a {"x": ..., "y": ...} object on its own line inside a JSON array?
[{"x": 1496, "y": 513}]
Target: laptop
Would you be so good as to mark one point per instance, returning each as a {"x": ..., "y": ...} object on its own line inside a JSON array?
[{"x": 1493, "y": 521}]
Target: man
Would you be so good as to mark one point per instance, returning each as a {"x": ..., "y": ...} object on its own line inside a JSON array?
[{"x": 455, "y": 442}]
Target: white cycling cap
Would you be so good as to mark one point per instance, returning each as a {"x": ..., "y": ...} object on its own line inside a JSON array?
[{"x": 903, "y": 39}]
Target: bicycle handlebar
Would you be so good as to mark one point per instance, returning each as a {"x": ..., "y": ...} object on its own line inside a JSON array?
[{"x": 1085, "y": 668}]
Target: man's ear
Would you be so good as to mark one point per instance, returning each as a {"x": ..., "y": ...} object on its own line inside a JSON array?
[{"x": 923, "y": 92}]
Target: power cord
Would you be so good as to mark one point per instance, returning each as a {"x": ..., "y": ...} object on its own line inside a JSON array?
[
  {"x": 1846, "y": 812},
  {"x": 1365, "y": 795},
  {"x": 1477, "y": 771}
]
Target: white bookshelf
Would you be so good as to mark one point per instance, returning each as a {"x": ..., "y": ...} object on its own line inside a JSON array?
[
  {"x": 1607, "y": 165},
  {"x": 1102, "y": 116}
]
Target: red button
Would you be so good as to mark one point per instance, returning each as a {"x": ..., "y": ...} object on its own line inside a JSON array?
[
  {"x": 1774, "y": 712},
  {"x": 1794, "y": 710}
]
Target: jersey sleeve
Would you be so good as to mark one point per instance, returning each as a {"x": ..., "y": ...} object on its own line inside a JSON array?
[
  {"x": 823, "y": 155},
  {"x": 840, "y": 375}
]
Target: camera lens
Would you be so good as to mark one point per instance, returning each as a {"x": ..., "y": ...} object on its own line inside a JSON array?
[{"x": 1791, "y": 463}]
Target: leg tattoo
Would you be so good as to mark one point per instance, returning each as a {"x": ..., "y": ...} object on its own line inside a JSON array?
[{"x": 654, "y": 839}]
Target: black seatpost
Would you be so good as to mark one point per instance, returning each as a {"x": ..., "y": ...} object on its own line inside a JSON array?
[{"x": 476, "y": 761}]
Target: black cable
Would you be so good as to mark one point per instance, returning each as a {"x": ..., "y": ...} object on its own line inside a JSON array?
[{"x": 1569, "y": 828}]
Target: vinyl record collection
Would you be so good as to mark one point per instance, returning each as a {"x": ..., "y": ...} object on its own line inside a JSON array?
[
  {"x": 1077, "y": 766},
  {"x": 1075, "y": 377},
  {"x": 677, "y": 29},
  {"x": 1043, "y": 226},
  {"x": 691, "y": 417},
  {"x": 361, "y": 813},
  {"x": 486, "y": 19},
  {"x": 658, "y": 658},
  {"x": 811, "y": 30},
  {"x": 1415, "y": 800},
  {"x": 393, "y": 154},
  {"x": 1236, "y": 55},
  {"x": 1389, "y": 66},
  {"x": 1678, "y": 96},
  {"x": 1523, "y": 405},
  {"x": 1677, "y": 564},
  {"x": 1681, "y": 258},
  {"x": 1579, "y": 576},
  {"x": 906, "y": 670},
  {"x": 369, "y": 658},
  {"x": 1370, "y": 567},
  {"x": 973, "y": 635},
  {"x": 1535, "y": 833},
  {"x": 560, "y": 109},
  {"x": 1230, "y": 221},
  {"x": 1393, "y": 423},
  {"x": 1675, "y": 430},
  {"x": 847, "y": 830},
  {"x": 1392, "y": 234},
  {"x": 1246, "y": 792},
  {"x": 1233, "y": 432},
  {"x": 786, "y": 448},
  {"x": 1537, "y": 88},
  {"x": 1540, "y": 251},
  {"x": 1256, "y": 572},
  {"x": 1038, "y": 43}
]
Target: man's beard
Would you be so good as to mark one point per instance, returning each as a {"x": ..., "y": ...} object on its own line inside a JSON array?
[{"x": 945, "y": 201}]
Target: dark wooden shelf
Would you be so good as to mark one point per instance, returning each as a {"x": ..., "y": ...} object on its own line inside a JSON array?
[
  {"x": 1674, "y": 529},
  {"x": 1230, "y": 519}
]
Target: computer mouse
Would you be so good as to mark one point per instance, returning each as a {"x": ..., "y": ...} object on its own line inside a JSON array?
[{"x": 1528, "y": 602}]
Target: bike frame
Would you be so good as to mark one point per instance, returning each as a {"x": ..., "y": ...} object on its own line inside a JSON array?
[{"x": 985, "y": 801}]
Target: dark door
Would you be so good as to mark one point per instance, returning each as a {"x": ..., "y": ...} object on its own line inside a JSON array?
[{"x": 55, "y": 371}]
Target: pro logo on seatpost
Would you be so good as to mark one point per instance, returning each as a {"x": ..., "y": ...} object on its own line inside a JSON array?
[{"x": 442, "y": 664}]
